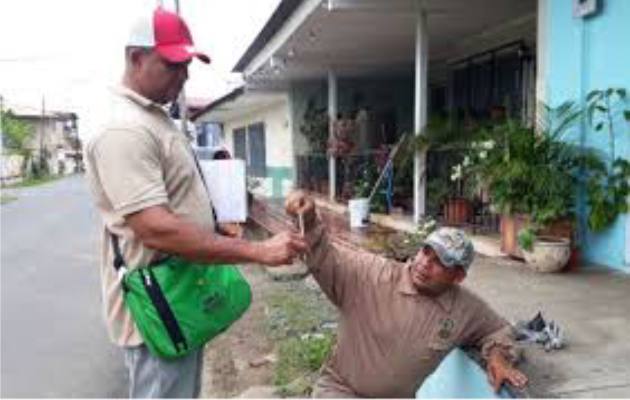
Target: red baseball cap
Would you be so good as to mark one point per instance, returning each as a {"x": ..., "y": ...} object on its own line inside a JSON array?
[{"x": 168, "y": 34}]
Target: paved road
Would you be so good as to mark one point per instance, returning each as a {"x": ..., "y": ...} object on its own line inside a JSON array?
[{"x": 53, "y": 340}]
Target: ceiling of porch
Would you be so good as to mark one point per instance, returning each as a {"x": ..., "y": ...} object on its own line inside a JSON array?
[{"x": 371, "y": 37}]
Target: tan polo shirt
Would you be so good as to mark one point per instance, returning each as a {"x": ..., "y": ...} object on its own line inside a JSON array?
[
  {"x": 391, "y": 337},
  {"x": 137, "y": 160}
]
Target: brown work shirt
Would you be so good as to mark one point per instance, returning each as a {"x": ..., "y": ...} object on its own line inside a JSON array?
[
  {"x": 139, "y": 159},
  {"x": 390, "y": 336}
]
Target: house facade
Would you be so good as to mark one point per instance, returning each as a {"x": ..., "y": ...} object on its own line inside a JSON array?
[
  {"x": 388, "y": 67},
  {"x": 54, "y": 140},
  {"x": 581, "y": 54}
]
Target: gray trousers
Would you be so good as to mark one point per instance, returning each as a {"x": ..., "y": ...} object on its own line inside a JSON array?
[{"x": 154, "y": 377}]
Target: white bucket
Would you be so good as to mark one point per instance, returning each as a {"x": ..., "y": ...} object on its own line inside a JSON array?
[{"x": 359, "y": 212}]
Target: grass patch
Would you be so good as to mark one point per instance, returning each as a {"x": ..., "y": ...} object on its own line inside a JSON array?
[
  {"x": 5, "y": 198},
  {"x": 295, "y": 318},
  {"x": 30, "y": 182}
]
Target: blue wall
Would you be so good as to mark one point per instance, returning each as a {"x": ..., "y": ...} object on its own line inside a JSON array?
[{"x": 583, "y": 55}]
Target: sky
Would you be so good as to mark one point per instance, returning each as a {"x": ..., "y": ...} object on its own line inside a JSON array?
[{"x": 69, "y": 51}]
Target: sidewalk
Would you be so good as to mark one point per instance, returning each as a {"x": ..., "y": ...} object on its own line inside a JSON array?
[{"x": 592, "y": 307}]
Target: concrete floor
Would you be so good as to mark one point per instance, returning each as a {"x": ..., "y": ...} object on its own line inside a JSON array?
[{"x": 592, "y": 306}]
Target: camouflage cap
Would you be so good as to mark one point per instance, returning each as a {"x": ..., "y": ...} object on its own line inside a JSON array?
[{"x": 452, "y": 247}]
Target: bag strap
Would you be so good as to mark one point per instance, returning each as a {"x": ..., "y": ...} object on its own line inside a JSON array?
[
  {"x": 153, "y": 289},
  {"x": 205, "y": 184}
]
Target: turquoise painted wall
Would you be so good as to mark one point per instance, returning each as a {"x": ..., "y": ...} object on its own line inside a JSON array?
[
  {"x": 583, "y": 55},
  {"x": 458, "y": 377}
]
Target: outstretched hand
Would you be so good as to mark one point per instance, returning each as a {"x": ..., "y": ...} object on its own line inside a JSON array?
[
  {"x": 299, "y": 203},
  {"x": 501, "y": 371}
]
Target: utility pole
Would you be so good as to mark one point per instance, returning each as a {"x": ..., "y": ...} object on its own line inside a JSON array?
[
  {"x": 183, "y": 110},
  {"x": 41, "y": 136},
  {"x": 1, "y": 126}
]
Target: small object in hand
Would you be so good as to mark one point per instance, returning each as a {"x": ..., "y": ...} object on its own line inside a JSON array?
[
  {"x": 301, "y": 228},
  {"x": 301, "y": 223}
]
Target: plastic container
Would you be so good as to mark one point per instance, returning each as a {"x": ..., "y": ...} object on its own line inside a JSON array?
[{"x": 359, "y": 212}]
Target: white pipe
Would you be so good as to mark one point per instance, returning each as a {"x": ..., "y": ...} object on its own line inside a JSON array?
[{"x": 420, "y": 113}]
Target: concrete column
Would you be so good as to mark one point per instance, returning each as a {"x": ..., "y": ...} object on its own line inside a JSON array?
[
  {"x": 420, "y": 113},
  {"x": 332, "y": 116}
]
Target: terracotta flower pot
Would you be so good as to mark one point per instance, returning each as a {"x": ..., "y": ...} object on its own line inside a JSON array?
[{"x": 457, "y": 211}]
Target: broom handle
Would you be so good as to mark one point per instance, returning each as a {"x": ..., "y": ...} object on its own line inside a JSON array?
[{"x": 390, "y": 159}]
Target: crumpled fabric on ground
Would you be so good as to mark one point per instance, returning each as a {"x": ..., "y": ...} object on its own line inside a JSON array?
[{"x": 537, "y": 330}]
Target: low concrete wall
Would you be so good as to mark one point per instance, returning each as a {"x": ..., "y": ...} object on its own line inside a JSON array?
[{"x": 10, "y": 167}]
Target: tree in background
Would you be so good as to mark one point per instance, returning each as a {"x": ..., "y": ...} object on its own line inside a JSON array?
[{"x": 15, "y": 137}]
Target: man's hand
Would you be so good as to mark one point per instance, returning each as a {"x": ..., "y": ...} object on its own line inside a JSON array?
[
  {"x": 298, "y": 203},
  {"x": 500, "y": 371},
  {"x": 282, "y": 249}
]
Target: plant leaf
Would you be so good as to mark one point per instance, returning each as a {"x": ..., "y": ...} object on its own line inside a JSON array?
[
  {"x": 609, "y": 91},
  {"x": 626, "y": 115},
  {"x": 599, "y": 127},
  {"x": 593, "y": 94},
  {"x": 622, "y": 93}
]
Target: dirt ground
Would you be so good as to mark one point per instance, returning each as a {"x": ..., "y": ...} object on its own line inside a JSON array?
[
  {"x": 264, "y": 347},
  {"x": 227, "y": 369}
]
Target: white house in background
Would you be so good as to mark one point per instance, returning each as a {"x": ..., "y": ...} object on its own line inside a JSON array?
[
  {"x": 254, "y": 126},
  {"x": 55, "y": 138}
]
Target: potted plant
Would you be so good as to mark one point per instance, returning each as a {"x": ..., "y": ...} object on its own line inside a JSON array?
[
  {"x": 531, "y": 175},
  {"x": 457, "y": 207},
  {"x": 544, "y": 253}
]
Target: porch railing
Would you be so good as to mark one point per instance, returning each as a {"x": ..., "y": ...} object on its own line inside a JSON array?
[{"x": 363, "y": 169}]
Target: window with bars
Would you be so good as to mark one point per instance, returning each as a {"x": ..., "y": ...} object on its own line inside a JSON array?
[{"x": 249, "y": 145}]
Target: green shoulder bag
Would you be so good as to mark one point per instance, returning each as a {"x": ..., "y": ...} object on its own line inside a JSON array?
[{"x": 178, "y": 305}]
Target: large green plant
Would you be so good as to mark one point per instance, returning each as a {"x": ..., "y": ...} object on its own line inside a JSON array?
[
  {"x": 530, "y": 170},
  {"x": 607, "y": 186}
]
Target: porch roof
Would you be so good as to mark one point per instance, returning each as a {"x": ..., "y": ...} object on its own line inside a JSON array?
[
  {"x": 238, "y": 102},
  {"x": 303, "y": 39}
]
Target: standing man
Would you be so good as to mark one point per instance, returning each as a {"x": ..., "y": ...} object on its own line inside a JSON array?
[
  {"x": 149, "y": 192},
  {"x": 398, "y": 321}
]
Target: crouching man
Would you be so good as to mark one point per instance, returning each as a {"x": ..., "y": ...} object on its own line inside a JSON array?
[{"x": 398, "y": 321}]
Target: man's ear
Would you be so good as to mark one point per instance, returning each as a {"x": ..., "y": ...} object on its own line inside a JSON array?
[{"x": 136, "y": 55}]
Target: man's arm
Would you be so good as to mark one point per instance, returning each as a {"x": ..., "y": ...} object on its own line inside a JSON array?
[
  {"x": 339, "y": 271},
  {"x": 158, "y": 228},
  {"x": 493, "y": 336}
]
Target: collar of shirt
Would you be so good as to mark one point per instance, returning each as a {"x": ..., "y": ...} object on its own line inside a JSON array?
[
  {"x": 406, "y": 287},
  {"x": 137, "y": 98}
]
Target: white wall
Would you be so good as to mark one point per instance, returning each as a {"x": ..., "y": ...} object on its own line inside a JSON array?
[{"x": 278, "y": 142}]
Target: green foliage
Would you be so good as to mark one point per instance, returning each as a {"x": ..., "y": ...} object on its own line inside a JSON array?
[
  {"x": 315, "y": 128},
  {"x": 602, "y": 109},
  {"x": 294, "y": 322},
  {"x": 526, "y": 238},
  {"x": 528, "y": 172},
  {"x": 16, "y": 134},
  {"x": 607, "y": 187},
  {"x": 607, "y": 191},
  {"x": 297, "y": 356}
]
